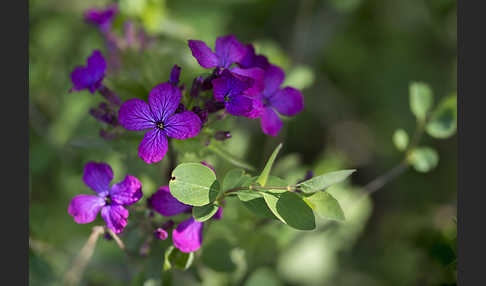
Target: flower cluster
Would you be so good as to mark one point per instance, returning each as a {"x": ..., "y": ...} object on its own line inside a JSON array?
[{"x": 252, "y": 87}]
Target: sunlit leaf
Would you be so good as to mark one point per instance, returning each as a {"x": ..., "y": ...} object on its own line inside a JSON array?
[
  {"x": 421, "y": 99},
  {"x": 443, "y": 121}
]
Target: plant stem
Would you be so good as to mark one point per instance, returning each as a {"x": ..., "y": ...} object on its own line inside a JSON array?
[
  {"x": 172, "y": 159},
  {"x": 73, "y": 276},
  {"x": 387, "y": 177}
]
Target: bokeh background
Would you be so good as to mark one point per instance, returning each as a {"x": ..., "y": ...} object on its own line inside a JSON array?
[{"x": 353, "y": 61}]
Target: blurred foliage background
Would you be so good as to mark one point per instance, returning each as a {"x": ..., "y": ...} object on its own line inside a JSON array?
[{"x": 353, "y": 60}]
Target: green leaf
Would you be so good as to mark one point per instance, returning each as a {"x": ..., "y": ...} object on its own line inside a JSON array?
[
  {"x": 400, "y": 139},
  {"x": 217, "y": 255},
  {"x": 194, "y": 184},
  {"x": 443, "y": 121},
  {"x": 421, "y": 99},
  {"x": 253, "y": 201},
  {"x": 173, "y": 257},
  {"x": 289, "y": 208},
  {"x": 216, "y": 149},
  {"x": 325, "y": 206},
  {"x": 262, "y": 179},
  {"x": 324, "y": 181},
  {"x": 423, "y": 159},
  {"x": 234, "y": 179},
  {"x": 203, "y": 213}
]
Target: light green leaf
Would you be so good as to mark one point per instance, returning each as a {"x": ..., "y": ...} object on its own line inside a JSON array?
[
  {"x": 253, "y": 201},
  {"x": 203, "y": 213},
  {"x": 325, "y": 206},
  {"x": 194, "y": 184},
  {"x": 216, "y": 149},
  {"x": 423, "y": 159},
  {"x": 276, "y": 182},
  {"x": 234, "y": 178},
  {"x": 421, "y": 99},
  {"x": 262, "y": 179},
  {"x": 173, "y": 257},
  {"x": 443, "y": 121},
  {"x": 400, "y": 139},
  {"x": 217, "y": 255},
  {"x": 291, "y": 209},
  {"x": 324, "y": 181}
]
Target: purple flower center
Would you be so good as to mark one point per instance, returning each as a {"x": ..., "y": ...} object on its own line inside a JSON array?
[
  {"x": 160, "y": 125},
  {"x": 108, "y": 200}
]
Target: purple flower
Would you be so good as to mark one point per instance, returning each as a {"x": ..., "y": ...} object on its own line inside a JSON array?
[
  {"x": 161, "y": 234},
  {"x": 228, "y": 50},
  {"x": 104, "y": 113},
  {"x": 164, "y": 203},
  {"x": 101, "y": 17},
  {"x": 89, "y": 76},
  {"x": 111, "y": 201},
  {"x": 158, "y": 116},
  {"x": 251, "y": 59},
  {"x": 286, "y": 101},
  {"x": 175, "y": 74},
  {"x": 187, "y": 237},
  {"x": 238, "y": 89}
]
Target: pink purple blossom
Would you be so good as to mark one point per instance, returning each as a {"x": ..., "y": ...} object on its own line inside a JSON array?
[
  {"x": 228, "y": 50},
  {"x": 287, "y": 101},
  {"x": 110, "y": 200}
]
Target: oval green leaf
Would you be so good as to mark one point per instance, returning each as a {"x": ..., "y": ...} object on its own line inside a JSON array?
[
  {"x": 424, "y": 159},
  {"x": 443, "y": 121},
  {"x": 194, "y": 184},
  {"x": 291, "y": 209},
  {"x": 325, "y": 206},
  {"x": 400, "y": 139},
  {"x": 324, "y": 181},
  {"x": 421, "y": 99}
]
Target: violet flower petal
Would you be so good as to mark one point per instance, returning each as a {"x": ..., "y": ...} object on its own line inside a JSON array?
[
  {"x": 288, "y": 101},
  {"x": 115, "y": 217},
  {"x": 187, "y": 237},
  {"x": 85, "y": 208},
  {"x": 135, "y": 114},
  {"x": 164, "y": 203},
  {"x": 239, "y": 105},
  {"x": 229, "y": 50},
  {"x": 164, "y": 100},
  {"x": 255, "y": 74},
  {"x": 183, "y": 125},
  {"x": 98, "y": 176},
  {"x": 203, "y": 54},
  {"x": 153, "y": 146},
  {"x": 252, "y": 60},
  {"x": 219, "y": 214},
  {"x": 274, "y": 77},
  {"x": 90, "y": 76},
  {"x": 270, "y": 122},
  {"x": 175, "y": 75},
  {"x": 126, "y": 192}
]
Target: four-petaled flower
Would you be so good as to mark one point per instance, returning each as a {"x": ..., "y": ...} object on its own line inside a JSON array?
[
  {"x": 111, "y": 201},
  {"x": 158, "y": 116},
  {"x": 287, "y": 101},
  {"x": 228, "y": 50},
  {"x": 89, "y": 76}
]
